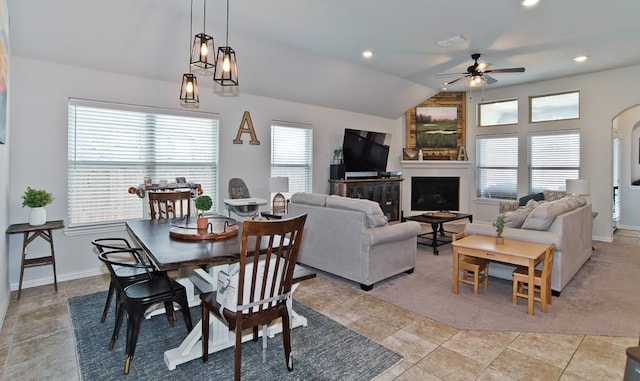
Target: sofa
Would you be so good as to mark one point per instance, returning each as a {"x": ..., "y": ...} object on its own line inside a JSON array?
[
  {"x": 351, "y": 238},
  {"x": 567, "y": 222}
]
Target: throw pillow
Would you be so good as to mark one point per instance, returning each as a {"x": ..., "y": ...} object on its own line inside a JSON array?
[
  {"x": 551, "y": 195},
  {"x": 375, "y": 216},
  {"x": 534, "y": 196},
  {"x": 543, "y": 216},
  {"x": 309, "y": 198},
  {"x": 515, "y": 219}
]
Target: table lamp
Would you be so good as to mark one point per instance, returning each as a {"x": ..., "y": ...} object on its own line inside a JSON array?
[
  {"x": 578, "y": 187},
  {"x": 278, "y": 185}
]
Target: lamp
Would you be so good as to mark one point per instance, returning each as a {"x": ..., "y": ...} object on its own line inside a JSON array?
[
  {"x": 189, "y": 95},
  {"x": 202, "y": 45},
  {"x": 279, "y": 184},
  {"x": 578, "y": 187},
  {"x": 475, "y": 81},
  {"x": 226, "y": 71}
]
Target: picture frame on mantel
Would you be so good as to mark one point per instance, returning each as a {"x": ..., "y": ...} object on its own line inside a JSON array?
[{"x": 437, "y": 126}]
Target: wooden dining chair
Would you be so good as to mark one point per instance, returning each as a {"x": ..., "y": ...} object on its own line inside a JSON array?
[
  {"x": 171, "y": 204},
  {"x": 137, "y": 297},
  {"x": 472, "y": 270},
  {"x": 269, "y": 252},
  {"x": 541, "y": 281}
]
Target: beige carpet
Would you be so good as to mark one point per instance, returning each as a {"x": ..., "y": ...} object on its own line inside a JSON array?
[{"x": 602, "y": 299}]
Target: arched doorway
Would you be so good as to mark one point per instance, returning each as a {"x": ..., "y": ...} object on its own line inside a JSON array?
[{"x": 626, "y": 168}]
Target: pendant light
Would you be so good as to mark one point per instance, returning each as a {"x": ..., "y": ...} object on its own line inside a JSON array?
[
  {"x": 226, "y": 71},
  {"x": 202, "y": 48},
  {"x": 189, "y": 95}
]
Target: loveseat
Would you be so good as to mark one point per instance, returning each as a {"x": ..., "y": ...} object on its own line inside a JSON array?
[
  {"x": 351, "y": 238},
  {"x": 566, "y": 222}
]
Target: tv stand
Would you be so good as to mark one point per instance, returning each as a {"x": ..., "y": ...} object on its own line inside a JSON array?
[{"x": 386, "y": 192}]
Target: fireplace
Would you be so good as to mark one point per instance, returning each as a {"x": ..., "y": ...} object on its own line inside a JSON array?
[{"x": 435, "y": 193}]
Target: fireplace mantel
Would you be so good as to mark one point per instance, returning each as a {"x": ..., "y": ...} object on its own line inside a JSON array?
[{"x": 436, "y": 164}]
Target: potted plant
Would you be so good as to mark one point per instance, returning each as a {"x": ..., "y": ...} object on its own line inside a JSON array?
[
  {"x": 37, "y": 199},
  {"x": 203, "y": 204},
  {"x": 337, "y": 156},
  {"x": 499, "y": 224}
]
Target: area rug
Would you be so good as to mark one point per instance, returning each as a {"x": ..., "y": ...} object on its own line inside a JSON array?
[
  {"x": 602, "y": 299},
  {"x": 324, "y": 350}
]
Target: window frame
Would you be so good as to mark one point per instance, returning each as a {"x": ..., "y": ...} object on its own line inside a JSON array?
[
  {"x": 533, "y": 97},
  {"x": 481, "y": 167},
  {"x": 560, "y": 186},
  {"x": 125, "y": 166},
  {"x": 276, "y": 170},
  {"x": 481, "y": 105}
]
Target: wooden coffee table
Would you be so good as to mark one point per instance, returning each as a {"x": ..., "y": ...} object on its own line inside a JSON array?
[
  {"x": 437, "y": 237},
  {"x": 519, "y": 253}
]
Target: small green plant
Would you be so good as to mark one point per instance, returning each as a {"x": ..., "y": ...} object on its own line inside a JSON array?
[
  {"x": 203, "y": 203},
  {"x": 499, "y": 224},
  {"x": 337, "y": 155},
  {"x": 36, "y": 198}
]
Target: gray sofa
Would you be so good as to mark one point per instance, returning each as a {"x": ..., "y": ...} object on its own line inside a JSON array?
[
  {"x": 351, "y": 238},
  {"x": 567, "y": 222}
]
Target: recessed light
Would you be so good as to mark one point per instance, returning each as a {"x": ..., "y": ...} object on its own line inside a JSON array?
[
  {"x": 367, "y": 54},
  {"x": 580, "y": 58},
  {"x": 529, "y": 3}
]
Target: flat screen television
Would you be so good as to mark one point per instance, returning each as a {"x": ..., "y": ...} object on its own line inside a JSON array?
[{"x": 365, "y": 151}]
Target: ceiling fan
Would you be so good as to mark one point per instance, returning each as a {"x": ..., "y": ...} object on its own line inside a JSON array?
[{"x": 477, "y": 73}]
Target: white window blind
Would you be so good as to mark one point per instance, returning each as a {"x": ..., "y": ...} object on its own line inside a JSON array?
[
  {"x": 553, "y": 158},
  {"x": 497, "y": 167},
  {"x": 291, "y": 154},
  {"x": 112, "y": 147}
]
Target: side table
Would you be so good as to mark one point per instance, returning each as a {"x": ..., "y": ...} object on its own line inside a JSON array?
[{"x": 30, "y": 234}]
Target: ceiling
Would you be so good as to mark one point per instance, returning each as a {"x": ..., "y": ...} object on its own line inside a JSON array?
[{"x": 310, "y": 51}]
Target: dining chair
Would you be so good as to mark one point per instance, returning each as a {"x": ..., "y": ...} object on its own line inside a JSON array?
[
  {"x": 541, "y": 281},
  {"x": 136, "y": 298},
  {"x": 264, "y": 273},
  {"x": 171, "y": 204},
  {"x": 472, "y": 270}
]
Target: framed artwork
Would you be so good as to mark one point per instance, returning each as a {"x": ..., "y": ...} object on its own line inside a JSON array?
[
  {"x": 437, "y": 126},
  {"x": 4, "y": 68}
]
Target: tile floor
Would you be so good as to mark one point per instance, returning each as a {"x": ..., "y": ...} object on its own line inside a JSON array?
[{"x": 36, "y": 341}]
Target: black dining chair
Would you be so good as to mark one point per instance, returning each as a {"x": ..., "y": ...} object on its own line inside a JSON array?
[
  {"x": 125, "y": 275},
  {"x": 136, "y": 298},
  {"x": 268, "y": 256}
]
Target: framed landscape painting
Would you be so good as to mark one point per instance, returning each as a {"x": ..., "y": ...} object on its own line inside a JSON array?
[{"x": 436, "y": 127}]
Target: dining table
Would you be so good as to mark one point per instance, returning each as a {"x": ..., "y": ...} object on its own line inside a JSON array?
[{"x": 198, "y": 263}]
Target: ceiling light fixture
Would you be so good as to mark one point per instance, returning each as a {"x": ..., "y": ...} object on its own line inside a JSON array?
[
  {"x": 580, "y": 58},
  {"x": 475, "y": 81},
  {"x": 529, "y": 3},
  {"x": 203, "y": 45},
  {"x": 189, "y": 95},
  {"x": 367, "y": 54},
  {"x": 226, "y": 71}
]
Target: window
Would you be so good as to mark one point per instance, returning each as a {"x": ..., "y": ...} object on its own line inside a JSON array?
[
  {"x": 553, "y": 158},
  {"x": 498, "y": 113},
  {"x": 497, "y": 161},
  {"x": 114, "y": 146},
  {"x": 291, "y": 154},
  {"x": 555, "y": 107}
]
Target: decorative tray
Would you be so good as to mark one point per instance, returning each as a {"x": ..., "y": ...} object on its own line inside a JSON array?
[
  {"x": 218, "y": 228},
  {"x": 439, "y": 214}
]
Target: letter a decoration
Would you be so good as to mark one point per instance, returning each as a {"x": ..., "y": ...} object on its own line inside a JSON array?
[{"x": 246, "y": 126}]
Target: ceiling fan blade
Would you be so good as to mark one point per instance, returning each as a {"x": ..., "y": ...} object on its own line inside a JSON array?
[
  {"x": 508, "y": 70},
  {"x": 448, "y": 74},
  {"x": 452, "y": 82},
  {"x": 489, "y": 79}
]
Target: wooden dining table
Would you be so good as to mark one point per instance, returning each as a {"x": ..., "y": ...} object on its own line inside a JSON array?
[{"x": 198, "y": 263}]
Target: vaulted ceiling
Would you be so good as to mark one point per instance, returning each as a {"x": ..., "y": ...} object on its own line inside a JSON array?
[{"x": 310, "y": 51}]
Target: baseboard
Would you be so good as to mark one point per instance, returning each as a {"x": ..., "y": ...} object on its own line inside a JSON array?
[{"x": 49, "y": 280}]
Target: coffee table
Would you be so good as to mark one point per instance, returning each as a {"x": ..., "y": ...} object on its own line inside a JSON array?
[{"x": 437, "y": 237}]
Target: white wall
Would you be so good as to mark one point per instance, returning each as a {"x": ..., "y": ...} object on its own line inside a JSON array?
[
  {"x": 39, "y": 144},
  {"x": 603, "y": 96},
  {"x": 4, "y": 188}
]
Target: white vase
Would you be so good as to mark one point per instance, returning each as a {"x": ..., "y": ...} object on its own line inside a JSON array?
[{"x": 37, "y": 216}]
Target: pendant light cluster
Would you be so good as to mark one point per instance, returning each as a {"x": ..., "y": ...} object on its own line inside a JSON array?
[{"x": 201, "y": 55}]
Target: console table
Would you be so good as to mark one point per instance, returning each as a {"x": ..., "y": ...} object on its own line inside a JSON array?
[
  {"x": 30, "y": 234},
  {"x": 386, "y": 192}
]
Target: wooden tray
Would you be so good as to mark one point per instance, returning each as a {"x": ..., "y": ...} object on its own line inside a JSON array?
[
  {"x": 439, "y": 214},
  {"x": 192, "y": 234}
]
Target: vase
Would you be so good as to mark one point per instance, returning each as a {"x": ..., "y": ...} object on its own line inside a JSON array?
[
  {"x": 203, "y": 225},
  {"x": 37, "y": 216},
  {"x": 499, "y": 240}
]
